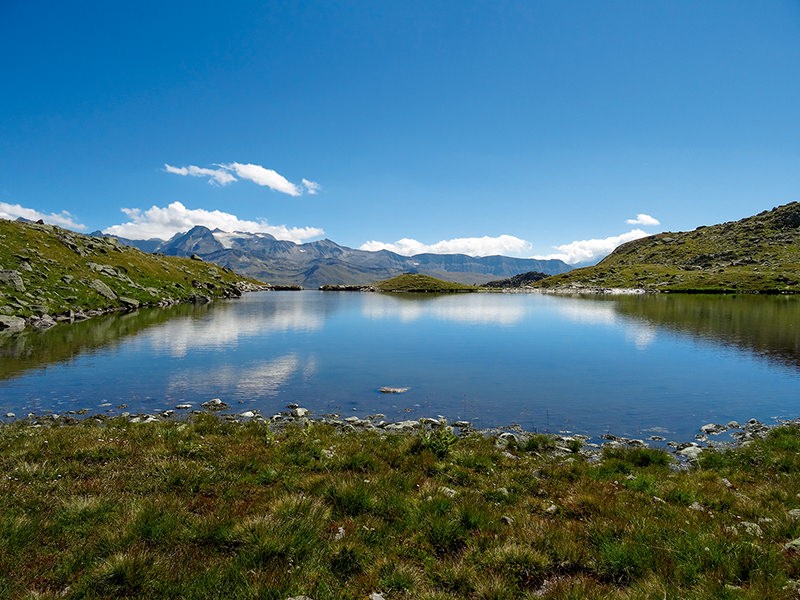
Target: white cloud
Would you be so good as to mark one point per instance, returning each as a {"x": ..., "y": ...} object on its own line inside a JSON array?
[
  {"x": 581, "y": 251},
  {"x": 265, "y": 177},
  {"x": 312, "y": 187},
  {"x": 164, "y": 222},
  {"x": 62, "y": 219},
  {"x": 217, "y": 176},
  {"x": 644, "y": 220},
  {"x": 228, "y": 173},
  {"x": 507, "y": 245}
]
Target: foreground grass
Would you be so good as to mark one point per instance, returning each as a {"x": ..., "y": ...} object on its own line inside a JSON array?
[{"x": 208, "y": 509}]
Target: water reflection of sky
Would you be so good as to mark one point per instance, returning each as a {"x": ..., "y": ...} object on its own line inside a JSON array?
[
  {"x": 545, "y": 362},
  {"x": 463, "y": 308}
]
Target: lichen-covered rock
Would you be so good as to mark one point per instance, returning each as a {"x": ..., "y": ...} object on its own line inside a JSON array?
[
  {"x": 12, "y": 279},
  {"x": 9, "y": 324},
  {"x": 102, "y": 289}
]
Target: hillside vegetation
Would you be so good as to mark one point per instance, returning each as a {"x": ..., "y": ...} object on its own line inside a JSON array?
[
  {"x": 49, "y": 274},
  {"x": 416, "y": 282},
  {"x": 756, "y": 254}
]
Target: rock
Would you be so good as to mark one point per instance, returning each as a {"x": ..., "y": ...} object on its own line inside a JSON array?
[
  {"x": 691, "y": 452},
  {"x": 506, "y": 520},
  {"x": 734, "y": 425},
  {"x": 449, "y": 492},
  {"x": 794, "y": 513},
  {"x": 402, "y": 426},
  {"x": 752, "y": 528},
  {"x": 462, "y": 424},
  {"x": 793, "y": 545},
  {"x": 697, "y": 506},
  {"x": 376, "y": 596},
  {"x": 393, "y": 390},
  {"x": 339, "y": 535},
  {"x": 248, "y": 414},
  {"x": 129, "y": 302},
  {"x": 102, "y": 289},
  {"x": 300, "y": 598},
  {"x": 13, "y": 279},
  {"x": 299, "y": 412},
  {"x": 214, "y": 404},
  {"x": 184, "y": 406},
  {"x": 11, "y": 324},
  {"x": 551, "y": 509},
  {"x": 292, "y": 405},
  {"x": 43, "y": 322},
  {"x": 713, "y": 428},
  {"x": 10, "y": 415}
]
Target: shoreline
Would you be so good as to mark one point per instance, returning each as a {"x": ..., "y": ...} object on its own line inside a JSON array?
[{"x": 738, "y": 435}]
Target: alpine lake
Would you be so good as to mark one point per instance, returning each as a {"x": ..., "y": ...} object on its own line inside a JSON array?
[{"x": 631, "y": 365}]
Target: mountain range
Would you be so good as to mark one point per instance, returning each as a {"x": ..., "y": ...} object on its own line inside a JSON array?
[{"x": 324, "y": 262}]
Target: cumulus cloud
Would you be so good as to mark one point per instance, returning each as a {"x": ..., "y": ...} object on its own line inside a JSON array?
[
  {"x": 312, "y": 187},
  {"x": 581, "y": 251},
  {"x": 507, "y": 245},
  {"x": 230, "y": 172},
  {"x": 644, "y": 220},
  {"x": 63, "y": 219},
  {"x": 216, "y": 176},
  {"x": 164, "y": 222}
]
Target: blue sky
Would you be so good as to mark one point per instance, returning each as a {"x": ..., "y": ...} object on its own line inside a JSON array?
[{"x": 484, "y": 127}]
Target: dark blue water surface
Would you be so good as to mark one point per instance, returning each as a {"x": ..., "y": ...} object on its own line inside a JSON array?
[{"x": 631, "y": 365}]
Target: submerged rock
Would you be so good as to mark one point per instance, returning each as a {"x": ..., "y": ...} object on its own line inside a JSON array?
[{"x": 393, "y": 390}]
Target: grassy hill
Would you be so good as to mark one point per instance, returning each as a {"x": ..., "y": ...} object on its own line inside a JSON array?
[
  {"x": 48, "y": 273},
  {"x": 756, "y": 254},
  {"x": 416, "y": 282}
]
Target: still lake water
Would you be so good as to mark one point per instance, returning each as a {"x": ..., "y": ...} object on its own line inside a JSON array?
[{"x": 631, "y": 365}]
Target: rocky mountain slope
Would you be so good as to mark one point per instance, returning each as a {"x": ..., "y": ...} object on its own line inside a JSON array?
[
  {"x": 49, "y": 274},
  {"x": 757, "y": 254},
  {"x": 325, "y": 262}
]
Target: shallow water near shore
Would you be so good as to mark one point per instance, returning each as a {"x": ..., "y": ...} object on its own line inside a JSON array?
[{"x": 631, "y": 365}]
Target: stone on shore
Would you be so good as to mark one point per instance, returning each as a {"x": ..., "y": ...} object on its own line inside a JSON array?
[
  {"x": 691, "y": 452},
  {"x": 214, "y": 404},
  {"x": 10, "y": 324}
]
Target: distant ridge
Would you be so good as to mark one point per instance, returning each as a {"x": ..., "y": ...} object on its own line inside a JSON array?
[
  {"x": 325, "y": 262},
  {"x": 756, "y": 254}
]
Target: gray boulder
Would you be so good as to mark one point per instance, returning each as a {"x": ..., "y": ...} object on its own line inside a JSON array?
[
  {"x": 43, "y": 322},
  {"x": 13, "y": 279},
  {"x": 102, "y": 289},
  {"x": 10, "y": 324}
]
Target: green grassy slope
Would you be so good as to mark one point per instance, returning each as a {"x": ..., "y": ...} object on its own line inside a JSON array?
[
  {"x": 756, "y": 254},
  {"x": 416, "y": 282},
  {"x": 46, "y": 270}
]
